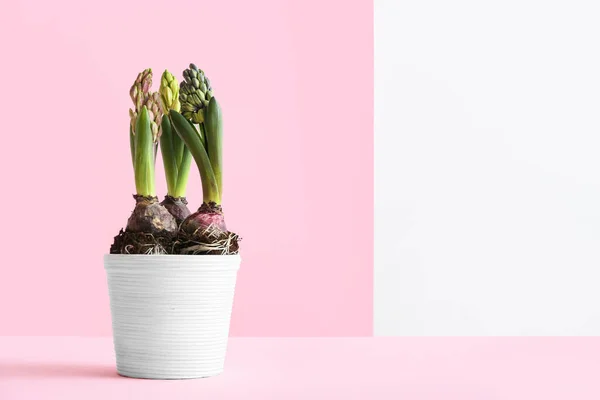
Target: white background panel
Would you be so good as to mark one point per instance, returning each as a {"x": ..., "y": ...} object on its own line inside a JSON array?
[{"x": 487, "y": 167}]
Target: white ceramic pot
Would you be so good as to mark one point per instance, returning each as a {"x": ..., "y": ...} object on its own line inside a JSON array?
[{"x": 170, "y": 313}]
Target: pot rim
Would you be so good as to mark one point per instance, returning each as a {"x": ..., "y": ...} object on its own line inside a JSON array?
[{"x": 144, "y": 263}]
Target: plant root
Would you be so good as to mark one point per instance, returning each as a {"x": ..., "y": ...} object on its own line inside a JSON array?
[
  {"x": 211, "y": 240},
  {"x": 127, "y": 242}
]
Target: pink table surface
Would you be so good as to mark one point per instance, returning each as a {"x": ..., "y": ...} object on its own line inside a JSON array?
[{"x": 318, "y": 368}]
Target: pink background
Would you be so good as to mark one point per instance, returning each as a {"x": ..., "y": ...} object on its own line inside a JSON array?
[{"x": 295, "y": 79}]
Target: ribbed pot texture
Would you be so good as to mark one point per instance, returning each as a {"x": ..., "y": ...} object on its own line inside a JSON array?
[{"x": 170, "y": 313}]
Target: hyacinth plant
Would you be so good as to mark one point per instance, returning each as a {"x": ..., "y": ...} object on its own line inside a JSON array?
[
  {"x": 151, "y": 227},
  {"x": 175, "y": 154},
  {"x": 200, "y": 126},
  {"x": 187, "y": 122}
]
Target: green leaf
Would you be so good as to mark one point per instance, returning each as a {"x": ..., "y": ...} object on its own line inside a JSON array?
[
  {"x": 144, "y": 155},
  {"x": 184, "y": 172},
  {"x": 190, "y": 136},
  {"x": 168, "y": 155},
  {"x": 213, "y": 125}
]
